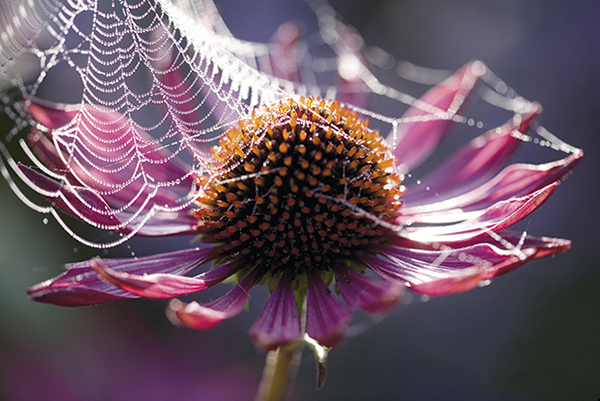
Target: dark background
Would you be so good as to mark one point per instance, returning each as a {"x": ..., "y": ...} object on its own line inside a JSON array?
[{"x": 531, "y": 335}]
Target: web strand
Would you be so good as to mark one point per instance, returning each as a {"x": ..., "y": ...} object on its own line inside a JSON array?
[{"x": 153, "y": 85}]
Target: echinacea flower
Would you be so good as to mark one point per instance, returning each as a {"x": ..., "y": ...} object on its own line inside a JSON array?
[{"x": 302, "y": 196}]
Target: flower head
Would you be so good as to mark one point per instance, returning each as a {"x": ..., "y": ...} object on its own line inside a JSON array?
[{"x": 302, "y": 196}]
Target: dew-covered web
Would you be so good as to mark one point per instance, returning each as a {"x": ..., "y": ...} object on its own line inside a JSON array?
[{"x": 124, "y": 100}]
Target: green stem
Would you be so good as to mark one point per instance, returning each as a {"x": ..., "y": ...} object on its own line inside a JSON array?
[{"x": 280, "y": 369}]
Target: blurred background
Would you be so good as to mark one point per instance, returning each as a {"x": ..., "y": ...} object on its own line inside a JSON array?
[{"x": 531, "y": 335}]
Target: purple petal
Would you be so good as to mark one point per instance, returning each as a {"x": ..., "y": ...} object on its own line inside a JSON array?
[
  {"x": 206, "y": 316},
  {"x": 46, "y": 151},
  {"x": 516, "y": 180},
  {"x": 105, "y": 151},
  {"x": 87, "y": 205},
  {"x": 430, "y": 119},
  {"x": 286, "y": 58},
  {"x": 326, "y": 318},
  {"x": 544, "y": 246},
  {"x": 52, "y": 115},
  {"x": 505, "y": 239},
  {"x": 79, "y": 202},
  {"x": 446, "y": 271},
  {"x": 81, "y": 285},
  {"x": 162, "y": 285},
  {"x": 279, "y": 322},
  {"x": 351, "y": 67},
  {"x": 496, "y": 218},
  {"x": 184, "y": 95},
  {"x": 474, "y": 164},
  {"x": 365, "y": 293}
]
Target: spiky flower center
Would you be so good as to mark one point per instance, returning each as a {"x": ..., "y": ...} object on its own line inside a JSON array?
[{"x": 299, "y": 184}]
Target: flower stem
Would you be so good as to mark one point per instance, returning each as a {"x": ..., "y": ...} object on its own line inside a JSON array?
[{"x": 280, "y": 369}]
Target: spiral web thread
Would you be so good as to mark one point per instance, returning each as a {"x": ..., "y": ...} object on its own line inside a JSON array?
[{"x": 176, "y": 79}]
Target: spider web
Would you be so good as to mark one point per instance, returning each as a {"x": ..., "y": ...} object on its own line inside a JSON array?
[{"x": 132, "y": 90}]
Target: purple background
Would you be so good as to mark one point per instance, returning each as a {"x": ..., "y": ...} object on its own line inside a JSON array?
[{"x": 531, "y": 335}]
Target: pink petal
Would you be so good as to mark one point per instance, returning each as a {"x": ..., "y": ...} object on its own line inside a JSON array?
[
  {"x": 365, "y": 293},
  {"x": 279, "y": 322},
  {"x": 87, "y": 205},
  {"x": 351, "y": 67},
  {"x": 430, "y": 119},
  {"x": 105, "y": 151},
  {"x": 474, "y": 164},
  {"x": 286, "y": 57},
  {"x": 184, "y": 96},
  {"x": 79, "y": 202},
  {"x": 505, "y": 239},
  {"x": 206, "y": 316},
  {"x": 446, "y": 271},
  {"x": 81, "y": 285},
  {"x": 162, "y": 285},
  {"x": 496, "y": 218},
  {"x": 46, "y": 151},
  {"x": 52, "y": 115},
  {"x": 516, "y": 180},
  {"x": 543, "y": 246},
  {"x": 326, "y": 318}
]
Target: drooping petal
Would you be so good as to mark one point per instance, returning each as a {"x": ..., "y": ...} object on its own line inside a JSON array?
[
  {"x": 475, "y": 163},
  {"x": 52, "y": 115},
  {"x": 351, "y": 68},
  {"x": 102, "y": 135},
  {"x": 446, "y": 271},
  {"x": 366, "y": 293},
  {"x": 185, "y": 96},
  {"x": 85, "y": 204},
  {"x": 105, "y": 151},
  {"x": 162, "y": 285},
  {"x": 286, "y": 58},
  {"x": 496, "y": 218},
  {"x": 278, "y": 323},
  {"x": 544, "y": 246},
  {"x": 81, "y": 285},
  {"x": 516, "y": 180},
  {"x": 430, "y": 118},
  {"x": 206, "y": 316},
  {"x": 326, "y": 317},
  {"x": 79, "y": 202}
]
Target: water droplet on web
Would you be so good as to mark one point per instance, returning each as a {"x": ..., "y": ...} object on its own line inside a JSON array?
[
  {"x": 79, "y": 277},
  {"x": 45, "y": 221}
]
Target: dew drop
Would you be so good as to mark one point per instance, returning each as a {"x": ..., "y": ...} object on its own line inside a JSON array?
[
  {"x": 79, "y": 277},
  {"x": 75, "y": 250},
  {"x": 425, "y": 297},
  {"x": 45, "y": 221},
  {"x": 485, "y": 283}
]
